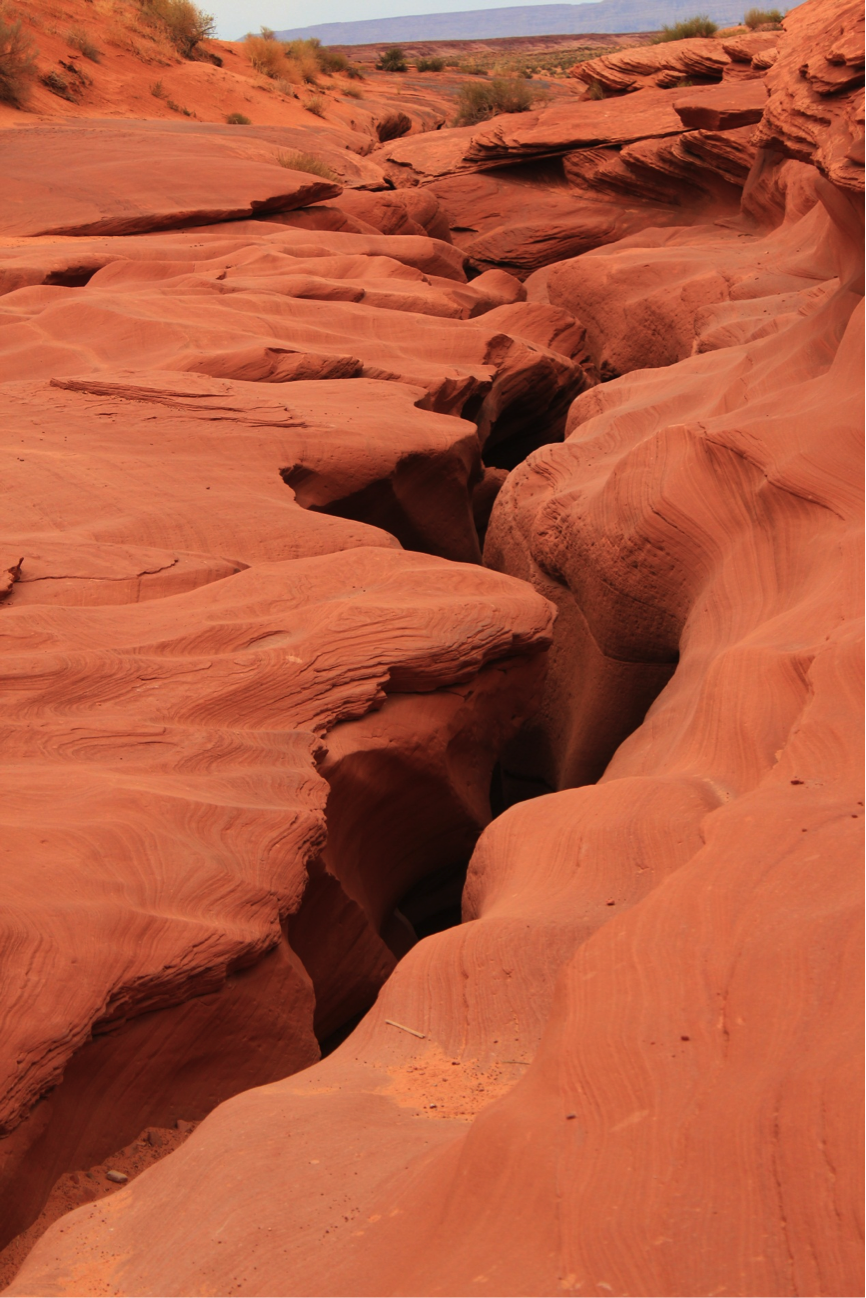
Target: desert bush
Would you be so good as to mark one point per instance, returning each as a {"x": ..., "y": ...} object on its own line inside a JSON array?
[
  {"x": 158, "y": 90},
  {"x": 17, "y": 68},
  {"x": 266, "y": 55},
  {"x": 331, "y": 60},
  {"x": 352, "y": 93},
  {"x": 392, "y": 60},
  {"x": 281, "y": 62},
  {"x": 355, "y": 72},
  {"x": 480, "y": 100},
  {"x": 595, "y": 90},
  {"x": 185, "y": 24},
  {"x": 306, "y": 162},
  {"x": 473, "y": 67},
  {"x": 315, "y": 105},
  {"x": 699, "y": 26},
  {"x": 238, "y": 119},
  {"x": 304, "y": 55},
  {"x": 757, "y": 17},
  {"x": 78, "y": 39},
  {"x": 430, "y": 65}
]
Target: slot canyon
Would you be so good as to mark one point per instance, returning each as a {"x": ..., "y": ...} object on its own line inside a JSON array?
[{"x": 431, "y": 611}]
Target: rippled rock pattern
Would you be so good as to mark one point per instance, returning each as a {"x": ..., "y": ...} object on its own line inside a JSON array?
[{"x": 492, "y": 542}]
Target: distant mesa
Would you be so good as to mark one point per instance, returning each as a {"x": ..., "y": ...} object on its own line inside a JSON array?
[{"x": 612, "y": 16}]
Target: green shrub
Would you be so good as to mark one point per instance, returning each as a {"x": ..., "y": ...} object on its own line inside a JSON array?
[
  {"x": 430, "y": 65},
  {"x": 158, "y": 90},
  {"x": 306, "y": 162},
  {"x": 355, "y": 72},
  {"x": 238, "y": 119},
  {"x": 757, "y": 17},
  {"x": 392, "y": 60},
  {"x": 78, "y": 39},
  {"x": 699, "y": 26},
  {"x": 185, "y": 24},
  {"x": 315, "y": 105},
  {"x": 480, "y": 100},
  {"x": 17, "y": 68}
]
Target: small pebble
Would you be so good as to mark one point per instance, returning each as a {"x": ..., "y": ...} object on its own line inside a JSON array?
[
  {"x": 120, "y": 1178},
  {"x": 185, "y": 1127},
  {"x": 569, "y": 1116},
  {"x": 154, "y": 1139}
]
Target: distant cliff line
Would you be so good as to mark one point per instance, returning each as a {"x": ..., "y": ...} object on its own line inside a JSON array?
[{"x": 614, "y": 16}]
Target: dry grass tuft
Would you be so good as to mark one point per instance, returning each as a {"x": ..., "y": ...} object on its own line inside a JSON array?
[
  {"x": 480, "y": 100},
  {"x": 17, "y": 66},
  {"x": 306, "y": 162},
  {"x": 78, "y": 39},
  {"x": 753, "y": 18}
]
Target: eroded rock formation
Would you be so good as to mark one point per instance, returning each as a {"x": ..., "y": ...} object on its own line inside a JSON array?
[{"x": 263, "y": 696}]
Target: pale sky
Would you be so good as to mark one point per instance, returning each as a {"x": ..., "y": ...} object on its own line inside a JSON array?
[{"x": 235, "y": 17}]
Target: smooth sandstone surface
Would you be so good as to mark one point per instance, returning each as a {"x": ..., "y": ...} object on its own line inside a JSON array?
[
  {"x": 122, "y": 185},
  {"x": 267, "y": 715}
]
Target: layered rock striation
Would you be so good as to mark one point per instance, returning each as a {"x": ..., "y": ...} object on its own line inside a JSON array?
[{"x": 264, "y": 698}]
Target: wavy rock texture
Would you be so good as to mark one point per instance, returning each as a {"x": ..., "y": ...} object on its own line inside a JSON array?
[
  {"x": 607, "y": 168},
  {"x": 815, "y": 111},
  {"x": 686, "y": 902},
  {"x": 277, "y": 305},
  {"x": 180, "y": 820},
  {"x": 253, "y": 742},
  {"x": 664, "y": 65}
]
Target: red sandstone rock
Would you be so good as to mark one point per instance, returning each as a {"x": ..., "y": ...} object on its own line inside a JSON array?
[
  {"x": 733, "y": 805},
  {"x": 641, "y": 310},
  {"x": 663, "y": 65},
  {"x": 495, "y": 224},
  {"x": 122, "y": 185},
  {"x": 631, "y": 1069},
  {"x": 725, "y": 108},
  {"x": 815, "y": 109},
  {"x": 273, "y": 307},
  {"x": 521, "y": 136},
  {"x": 190, "y": 874}
]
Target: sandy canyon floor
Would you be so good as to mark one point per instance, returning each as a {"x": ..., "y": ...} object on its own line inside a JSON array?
[{"x": 430, "y": 598}]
